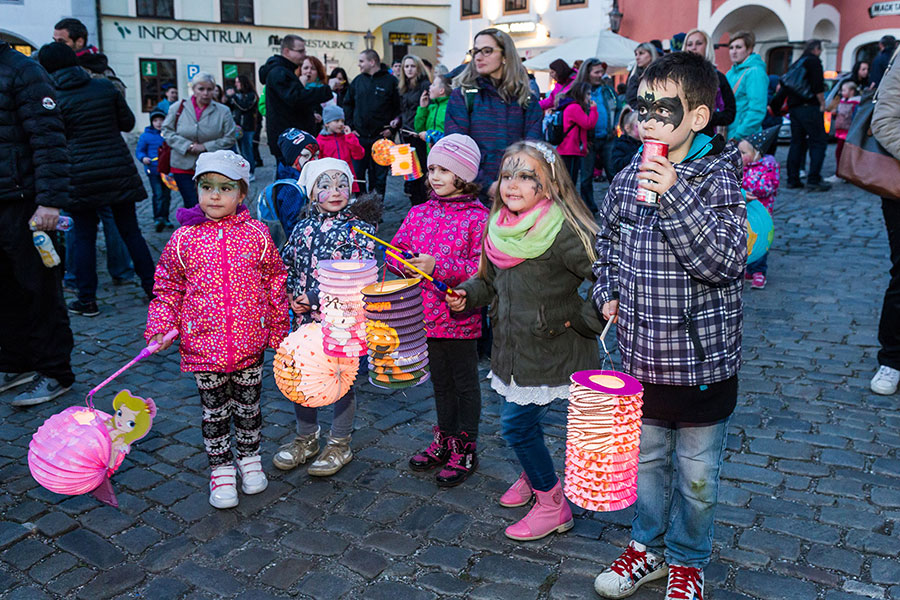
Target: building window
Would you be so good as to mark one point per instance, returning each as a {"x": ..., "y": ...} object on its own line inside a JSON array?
[
  {"x": 323, "y": 14},
  {"x": 231, "y": 71},
  {"x": 156, "y": 73},
  {"x": 515, "y": 6},
  {"x": 779, "y": 59},
  {"x": 164, "y": 9},
  {"x": 237, "y": 11},
  {"x": 471, "y": 8},
  {"x": 571, "y": 3}
]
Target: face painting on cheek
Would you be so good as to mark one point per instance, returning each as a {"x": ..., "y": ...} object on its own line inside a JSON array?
[
  {"x": 329, "y": 183},
  {"x": 667, "y": 111},
  {"x": 516, "y": 168}
]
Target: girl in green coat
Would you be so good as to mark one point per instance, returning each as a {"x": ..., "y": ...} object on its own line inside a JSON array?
[
  {"x": 538, "y": 249},
  {"x": 432, "y": 110}
]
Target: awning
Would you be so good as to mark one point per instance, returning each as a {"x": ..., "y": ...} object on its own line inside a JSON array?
[{"x": 613, "y": 49}]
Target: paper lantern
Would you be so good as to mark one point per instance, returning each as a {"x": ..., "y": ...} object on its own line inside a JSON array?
[
  {"x": 760, "y": 231},
  {"x": 401, "y": 159},
  {"x": 416, "y": 171},
  {"x": 381, "y": 152},
  {"x": 341, "y": 304},
  {"x": 306, "y": 374},
  {"x": 603, "y": 436},
  {"x": 395, "y": 334}
]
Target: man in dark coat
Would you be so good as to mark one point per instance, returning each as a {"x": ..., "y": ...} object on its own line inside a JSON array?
[
  {"x": 886, "y": 46},
  {"x": 74, "y": 34},
  {"x": 372, "y": 110},
  {"x": 288, "y": 102},
  {"x": 35, "y": 338},
  {"x": 103, "y": 173}
]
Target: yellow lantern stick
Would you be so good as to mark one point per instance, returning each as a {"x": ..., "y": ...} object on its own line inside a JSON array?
[
  {"x": 440, "y": 285},
  {"x": 382, "y": 242}
]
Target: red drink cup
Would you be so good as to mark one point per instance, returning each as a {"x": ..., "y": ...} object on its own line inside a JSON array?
[{"x": 651, "y": 148}]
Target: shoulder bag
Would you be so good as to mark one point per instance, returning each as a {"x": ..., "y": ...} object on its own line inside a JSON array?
[{"x": 164, "y": 156}]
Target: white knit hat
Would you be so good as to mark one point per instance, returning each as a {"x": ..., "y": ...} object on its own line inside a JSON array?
[{"x": 314, "y": 168}]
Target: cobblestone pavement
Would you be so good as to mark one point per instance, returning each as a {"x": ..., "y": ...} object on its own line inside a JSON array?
[{"x": 809, "y": 502}]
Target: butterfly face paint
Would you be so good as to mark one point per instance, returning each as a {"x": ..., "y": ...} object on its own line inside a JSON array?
[
  {"x": 520, "y": 183},
  {"x": 218, "y": 195},
  {"x": 332, "y": 190},
  {"x": 666, "y": 111}
]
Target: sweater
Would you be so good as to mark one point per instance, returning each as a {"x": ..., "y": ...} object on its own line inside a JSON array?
[
  {"x": 345, "y": 147},
  {"x": 578, "y": 123},
  {"x": 750, "y": 84}
]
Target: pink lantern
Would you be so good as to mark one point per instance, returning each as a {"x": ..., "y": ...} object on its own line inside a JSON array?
[
  {"x": 343, "y": 317},
  {"x": 308, "y": 375},
  {"x": 603, "y": 440}
]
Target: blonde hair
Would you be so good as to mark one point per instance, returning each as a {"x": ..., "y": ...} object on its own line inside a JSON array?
[
  {"x": 647, "y": 47},
  {"x": 710, "y": 50},
  {"x": 626, "y": 118},
  {"x": 145, "y": 409},
  {"x": 405, "y": 83},
  {"x": 560, "y": 190},
  {"x": 514, "y": 87}
]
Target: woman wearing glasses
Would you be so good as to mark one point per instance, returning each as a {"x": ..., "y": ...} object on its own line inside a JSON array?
[{"x": 492, "y": 103}]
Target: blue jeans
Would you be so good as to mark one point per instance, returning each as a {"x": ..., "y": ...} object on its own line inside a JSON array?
[
  {"x": 759, "y": 266},
  {"x": 245, "y": 145},
  {"x": 187, "y": 189},
  {"x": 162, "y": 197},
  {"x": 118, "y": 262},
  {"x": 341, "y": 422},
  {"x": 521, "y": 427},
  {"x": 678, "y": 489}
]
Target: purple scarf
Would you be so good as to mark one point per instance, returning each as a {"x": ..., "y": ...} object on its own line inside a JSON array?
[{"x": 196, "y": 216}]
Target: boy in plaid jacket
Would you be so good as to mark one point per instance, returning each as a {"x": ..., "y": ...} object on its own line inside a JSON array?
[{"x": 672, "y": 277}]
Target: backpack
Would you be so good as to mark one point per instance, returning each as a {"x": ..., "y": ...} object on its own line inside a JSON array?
[
  {"x": 275, "y": 216},
  {"x": 795, "y": 81},
  {"x": 554, "y": 132}
]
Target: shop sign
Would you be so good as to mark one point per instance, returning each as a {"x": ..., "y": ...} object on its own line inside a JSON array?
[
  {"x": 315, "y": 43},
  {"x": 517, "y": 27},
  {"x": 883, "y": 9},
  {"x": 400, "y": 38},
  {"x": 229, "y": 71},
  {"x": 149, "y": 68},
  {"x": 188, "y": 34}
]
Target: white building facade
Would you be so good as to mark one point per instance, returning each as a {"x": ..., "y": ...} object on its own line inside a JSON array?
[{"x": 28, "y": 24}]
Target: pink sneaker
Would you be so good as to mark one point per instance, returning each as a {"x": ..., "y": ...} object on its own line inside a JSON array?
[
  {"x": 550, "y": 513},
  {"x": 519, "y": 493},
  {"x": 747, "y": 275},
  {"x": 759, "y": 281}
]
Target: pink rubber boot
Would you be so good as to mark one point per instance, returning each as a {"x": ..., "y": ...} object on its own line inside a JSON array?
[
  {"x": 519, "y": 494},
  {"x": 550, "y": 513}
]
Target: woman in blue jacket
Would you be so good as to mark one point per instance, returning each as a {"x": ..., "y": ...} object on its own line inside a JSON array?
[{"x": 750, "y": 83}]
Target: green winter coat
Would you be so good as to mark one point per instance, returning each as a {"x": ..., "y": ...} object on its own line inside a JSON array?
[
  {"x": 432, "y": 116},
  {"x": 750, "y": 84},
  {"x": 543, "y": 329}
]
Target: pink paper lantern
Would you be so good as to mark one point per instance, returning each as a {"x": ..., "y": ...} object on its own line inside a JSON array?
[{"x": 343, "y": 316}]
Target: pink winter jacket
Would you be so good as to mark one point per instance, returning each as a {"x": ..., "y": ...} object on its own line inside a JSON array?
[
  {"x": 577, "y": 123},
  {"x": 221, "y": 284},
  {"x": 450, "y": 230}
]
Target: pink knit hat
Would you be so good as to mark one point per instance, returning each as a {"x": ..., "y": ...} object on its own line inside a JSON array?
[{"x": 457, "y": 153}]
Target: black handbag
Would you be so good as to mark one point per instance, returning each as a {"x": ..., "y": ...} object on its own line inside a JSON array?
[{"x": 796, "y": 81}]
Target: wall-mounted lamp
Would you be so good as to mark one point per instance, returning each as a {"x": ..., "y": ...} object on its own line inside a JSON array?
[{"x": 615, "y": 17}]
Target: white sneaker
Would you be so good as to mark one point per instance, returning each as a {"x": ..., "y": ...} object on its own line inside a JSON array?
[
  {"x": 885, "y": 381},
  {"x": 252, "y": 177},
  {"x": 223, "y": 488},
  {"x": 631, "y": 570},
  {"x": 834, "y": 179},
  {"x": 253, "y": 479}
]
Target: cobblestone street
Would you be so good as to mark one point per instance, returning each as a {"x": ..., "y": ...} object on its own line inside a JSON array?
[{"x": 809, "y": 500}]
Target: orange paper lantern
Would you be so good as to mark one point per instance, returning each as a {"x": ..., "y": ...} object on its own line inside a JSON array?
[
  {"x": 381, "y": 152},
  {"x": 306, "y": 375}
]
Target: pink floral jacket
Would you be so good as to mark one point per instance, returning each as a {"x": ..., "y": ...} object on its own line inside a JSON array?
[
  {"x": 450, "y": 230},
  {"x": 222, "y": 285},
  {"x": 761, "y": 180}
]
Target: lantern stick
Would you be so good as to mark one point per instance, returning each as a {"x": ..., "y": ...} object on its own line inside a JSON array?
[
  {"x": 382, "y": 242},
  {"x": 151, "y": 348},
  {"x": 440, "y": 285}
]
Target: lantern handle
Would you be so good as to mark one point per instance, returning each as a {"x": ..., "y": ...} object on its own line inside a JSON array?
[
  {"x": 609, "y": 323},
  {"x": 151, "y": 348}
]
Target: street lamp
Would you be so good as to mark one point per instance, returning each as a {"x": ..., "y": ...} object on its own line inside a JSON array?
[
  {"x": 370, "y": 39},
  {"x": 615, "y": 17}
]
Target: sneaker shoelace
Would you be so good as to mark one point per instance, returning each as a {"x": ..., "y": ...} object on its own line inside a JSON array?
[
  {"x": 433, "y": 449},
  {"x": 684, "y": 583},
  {"x": 628, "y": 562},
  {"x": 34, "y": 385},
  {"x": 884, "y": 373}
]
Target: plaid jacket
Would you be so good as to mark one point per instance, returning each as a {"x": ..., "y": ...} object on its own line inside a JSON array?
[{"x": 677, "y": 271}]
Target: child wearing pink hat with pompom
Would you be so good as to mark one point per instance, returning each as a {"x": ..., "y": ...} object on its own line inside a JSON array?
[{"x": 444, "y": 237}]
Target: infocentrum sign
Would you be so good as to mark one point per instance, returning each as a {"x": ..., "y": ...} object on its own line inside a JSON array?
[
  {"x": 186, "y": 34},
  {"x": 883, "y": 9}
]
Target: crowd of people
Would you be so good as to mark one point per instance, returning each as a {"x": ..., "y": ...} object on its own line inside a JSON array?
[{"x": 505, "y": 215}]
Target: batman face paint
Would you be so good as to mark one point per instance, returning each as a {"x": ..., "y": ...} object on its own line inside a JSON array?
[
  {"x": 666, "y": 110},
  {"x": 662, "y": 115}
]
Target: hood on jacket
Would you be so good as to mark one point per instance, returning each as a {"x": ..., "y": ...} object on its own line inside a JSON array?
[
  {"x": 754, "y": 60},
  {"x": 705, "y": 154},
  {"x": 70, "y": 78},
  {"x": 274, "y": 61},
  {"x": 151, "y": 129},
  {"x": 93, "y": 60}
]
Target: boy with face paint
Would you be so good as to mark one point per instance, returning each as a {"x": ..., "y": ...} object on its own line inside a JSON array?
[
  {"x": 671, "y": 276},
  {"x": 325, "y": 234}
]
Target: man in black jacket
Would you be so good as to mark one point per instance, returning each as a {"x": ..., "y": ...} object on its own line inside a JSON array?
[
  {"x": 288, "y": 102},
  {"x": 74, "y": 34},
  {"x": 372, "y": 109},
  {"x": 886, "y": 46},
  {"x": 35, "y": 338},
  {"x": 807, "y": 121}
]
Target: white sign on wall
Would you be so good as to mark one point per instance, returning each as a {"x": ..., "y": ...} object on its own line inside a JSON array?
[{"x": 883, "y": 9}]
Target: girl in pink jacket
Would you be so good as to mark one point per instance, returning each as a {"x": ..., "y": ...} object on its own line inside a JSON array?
[
  {"x": 221, "y": 283},
  {"x": 579, "y": 118},
  {"x": 444, "y": 235}
]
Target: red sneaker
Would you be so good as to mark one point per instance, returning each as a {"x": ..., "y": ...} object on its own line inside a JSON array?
[
  {"x": 759, "y": 281},
  {"x": 685, "y": 583},
  {"x": 631, "y": 570}
]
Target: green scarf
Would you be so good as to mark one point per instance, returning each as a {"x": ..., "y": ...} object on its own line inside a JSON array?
[{"x": 515, "y": 238}]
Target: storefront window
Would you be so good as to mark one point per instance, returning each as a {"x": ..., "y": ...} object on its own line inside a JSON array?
[
  {"x": 572, "y": 2},
  {"x": 471, "y": 8},
  {"x": 231, "y": 71},
  {"x": 515, "y": 5},
  {"x": 156, "y": 8},
  {"x": 866, "y": 53},
  {"x": 155, "y": 73},
  {"x": 323, "y": 14},
  {"x": 779, "y": 59},
  {"x": 237, "y": 11}
]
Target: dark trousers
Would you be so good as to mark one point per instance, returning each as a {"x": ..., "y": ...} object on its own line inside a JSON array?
[
  {"x": 575, "y": 167},
  {"x": 807, "y": 133},
  {"x": 34, "y": 323},
  {"x": 457, "y": 392},
  {"x": 759, "y": 266},
  {"x": 162, "y": 197},
  {"x": 186, "y": 188},
  {"x": 227, "y": 398},
  {"x": 368, "y": 169},
  {"x": 889, "y": 325},
  {"x": 416, "y": 189},
  {"x": 85, "y": 233}
]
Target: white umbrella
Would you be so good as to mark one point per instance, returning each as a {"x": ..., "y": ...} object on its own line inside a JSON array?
[{"x": 613, "y": 49}]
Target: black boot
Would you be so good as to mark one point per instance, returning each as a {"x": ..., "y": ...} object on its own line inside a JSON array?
[
  {"x": 463, "y": 461},
  {"x": 435, "y": 455}
]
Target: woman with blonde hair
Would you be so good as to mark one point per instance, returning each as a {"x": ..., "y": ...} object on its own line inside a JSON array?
[
  {"x": 699, "y": 42},
  {"x": 492, "y": 103},
  {"x": 415, "y": 80},
  {"x": 644, "y": 54}
]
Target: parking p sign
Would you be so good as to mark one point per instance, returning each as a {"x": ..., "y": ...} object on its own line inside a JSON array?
[{"x": 192, "y": 70}]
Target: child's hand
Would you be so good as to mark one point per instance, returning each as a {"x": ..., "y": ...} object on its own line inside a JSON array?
[
  {"x": 423, "y": 136},
  {"x": 456, "y": 301},
  {"x": 347, "y": 130},
  {"x": 424, "y": 99},
  {"x": 163, "y": 343},
  {"x": 145, "y": 160},
  {"x": 423, "y": 262},
  {"x": 611, "y": 310},
  {"x": 657, "y": 174},
  {"x": 300, "y": 304}
]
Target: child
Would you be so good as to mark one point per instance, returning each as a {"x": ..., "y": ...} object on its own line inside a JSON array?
[
  {"x": 337, "y": 141},
  {"x": 324, "y": 235},
  {"x": 220, "y": 282},
  {"x": 432, "y": 110},
  {"x": 761, "y": 183},
  {"x": 846, "y": 108},
  {"x": 626, "y": 145},
  {"x": 445, "y": 235},
  {"x": 298, "y": 148},
  {"x": 579, "y": 116},
  {"x": 147, "y": 152},
  {"x": 671, "y": 275},
  {"x": 537, "y": 252}
]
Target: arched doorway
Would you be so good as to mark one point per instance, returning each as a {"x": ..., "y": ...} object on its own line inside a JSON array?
[
  {"x": 866, "y": 52},
  {"x": 826, "y": 31},
  {"x": 768, "y": 27},
  {"x": 400, "y": 37},
  {"x": 17, "y": 43}
]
